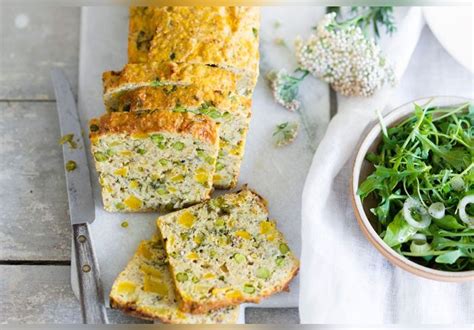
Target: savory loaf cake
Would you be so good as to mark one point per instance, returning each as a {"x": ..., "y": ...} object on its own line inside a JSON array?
[
  {"x": 141, "y": 31},
  {"x": 145, "y": 289},
  {"x": 226, "y": 37},
  {"x": 153, "y": 160},
  {"x": 226, "y": 251},
  {"x": 229, "y": 110},
  {"x": 154, "y": 74}
]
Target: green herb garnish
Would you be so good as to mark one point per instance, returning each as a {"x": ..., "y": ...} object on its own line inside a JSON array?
[
  {"x": 285, "y": 88},
  {"x": 69, "y": 139},
  {"x": 285, "y": 133},
  {"x": 423, "y": 184}
]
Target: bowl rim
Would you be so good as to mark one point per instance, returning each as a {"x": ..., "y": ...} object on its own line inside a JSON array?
[{"x": 369, "y": 135}]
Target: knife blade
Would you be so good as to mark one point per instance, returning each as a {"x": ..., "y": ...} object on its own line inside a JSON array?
[{"x": 81, "y": 202}]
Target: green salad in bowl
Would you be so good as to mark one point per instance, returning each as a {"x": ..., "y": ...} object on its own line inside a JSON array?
[{"x": 422, "y": 186}]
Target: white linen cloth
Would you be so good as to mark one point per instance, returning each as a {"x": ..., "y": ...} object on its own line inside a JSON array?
[{"x": 344, "y": 279}]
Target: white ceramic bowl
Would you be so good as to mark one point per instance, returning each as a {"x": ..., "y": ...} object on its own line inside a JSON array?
[{"x": 362, "y": 168}]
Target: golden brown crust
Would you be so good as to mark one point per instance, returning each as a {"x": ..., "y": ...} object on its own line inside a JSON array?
[
  {"x": 222, "y": 36},
  {"x": 170, "y": 73},
  {"x": 199, "y": 126},
  {"x": 142, "y": 29},
  {"x": 171, "y": 97},
  {"x": 195, "y": 308}
]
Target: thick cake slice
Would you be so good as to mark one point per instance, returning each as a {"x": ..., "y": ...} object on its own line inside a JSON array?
[
  {"x": 226, "y": 251},
  {"x": 232, "y": 112},
  {"x": 226, "y": 37},
  {"x": 156, "y": 74},
  {"x": 153, "y": 160},
  {"x": 145, "y": 289}
]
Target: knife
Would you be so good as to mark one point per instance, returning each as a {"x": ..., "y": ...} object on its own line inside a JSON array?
[{"x": 81, "y": 202}]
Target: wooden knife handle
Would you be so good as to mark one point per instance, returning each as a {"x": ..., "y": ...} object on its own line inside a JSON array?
[{"x": 91, "y": 293}]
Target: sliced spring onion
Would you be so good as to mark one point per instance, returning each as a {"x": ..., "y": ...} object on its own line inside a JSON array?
[
  {"x": 457, "y": 183},
  {"x": 436, "y": 210},
  {"x": 463, "y": 215},
  {"x": 419, "y": 244},
  {"x": 413, "y": 205}
]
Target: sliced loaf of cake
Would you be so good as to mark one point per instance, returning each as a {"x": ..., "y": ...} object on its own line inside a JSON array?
[
  {"x": 154, "y": 160},
  {"x": 226, "y": 251}
]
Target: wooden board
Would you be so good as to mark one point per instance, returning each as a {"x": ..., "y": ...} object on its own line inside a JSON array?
[
  {"x": 34, "y": 39},
  {"x": 42, "y": 294},
  {"x": 34, "y": 220}
]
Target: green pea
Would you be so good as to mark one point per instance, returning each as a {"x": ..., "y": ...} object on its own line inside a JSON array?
[
  {"x": 226, "y": 115},
  {"x": 141, "y": 151},
  {"x": 124, "y": 224},
  {"x": 71, "y": 165},
  {"x": 280, "y": 260},
  {"x": 100, "y": 156},
  {"x": 201, "y": 153},
  {"x": 263, "y": 273},
  {"x": 163, "y": 162},
  {"x": 249, "y": 288},
  {"x": 157, "y": 138},
  {"x": 284, "y": 249},
  {"x": 239, "y": 258},
  {"x": 195, "y": 279},
  {"x": 219, "y": 166},
  {"x": 210, "y": 160},
  {"x": 178, "y": 146},
  {"x": 181, "y": 277},
  {"x": 161, "y": 191},
  {"x": 119, "y": 206},
  {"x": 220, "y": 222}
]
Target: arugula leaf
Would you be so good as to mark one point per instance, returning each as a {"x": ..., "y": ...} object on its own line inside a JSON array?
[
  {"x": 448, "y": 222},
  {"x": 398, "y": 231},
  {"x": 450, "y": 257}
]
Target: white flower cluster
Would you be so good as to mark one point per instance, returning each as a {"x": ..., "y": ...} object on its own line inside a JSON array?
[{"x": 345, "y": 58}]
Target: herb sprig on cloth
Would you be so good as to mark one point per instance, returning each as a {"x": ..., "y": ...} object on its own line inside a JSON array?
[{"x": 423, "y": 183}]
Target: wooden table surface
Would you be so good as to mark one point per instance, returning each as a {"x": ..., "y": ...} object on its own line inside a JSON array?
[{"x": 35, "y": 236}]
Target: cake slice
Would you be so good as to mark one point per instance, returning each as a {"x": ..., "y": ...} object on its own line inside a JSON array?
[
  {"x": 157, "y": 74},
  {"x": 229, "y": 110},
  {"x": 226, "y": 37},
  {"x": 145, "y": 289},
  {"x": 153, "y": 160},
  {"x": 225, "y": 252}
]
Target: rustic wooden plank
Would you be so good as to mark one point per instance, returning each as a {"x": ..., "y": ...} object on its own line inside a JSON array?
[
  {"x": 34, "y": 39},
  {"x": 42, "y": 294},
  {"x": 272, "y": 316},
  {"x": 34, "y": 220},
  {"x": 37, "y": 294}
]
